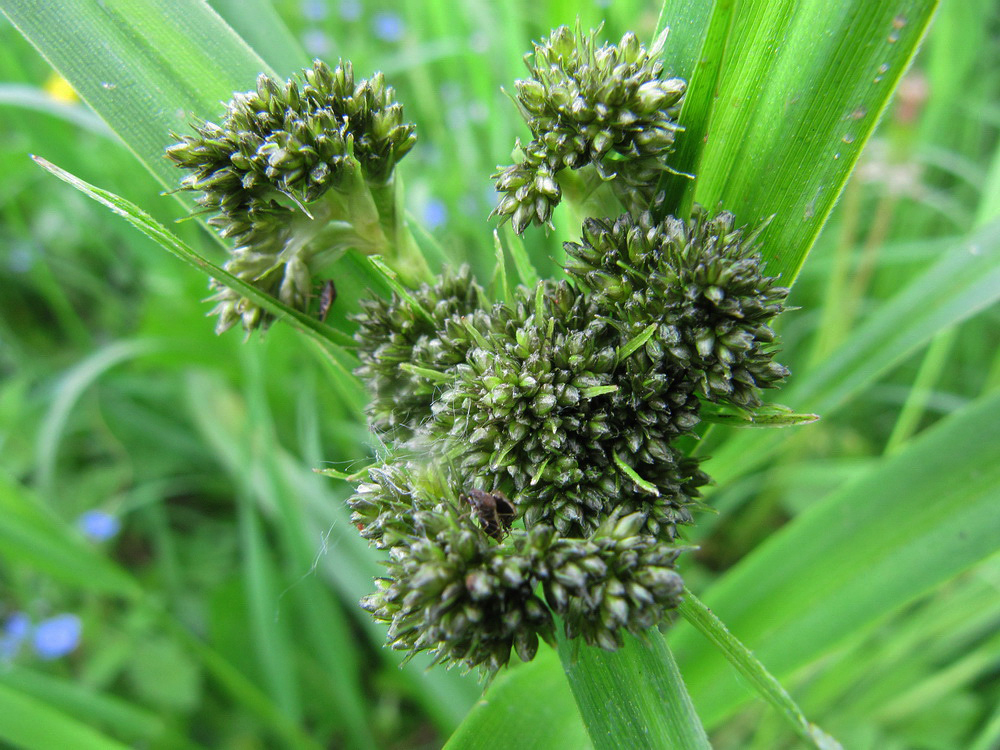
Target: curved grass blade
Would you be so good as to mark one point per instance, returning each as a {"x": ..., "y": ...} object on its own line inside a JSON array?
[
  {"x": 710, "y": 626},
  {"x": 34, "y": 98},
  {"x": 147, "y": 67},
  {"x": 914, "y": 521},
  {"x": 145, "y": 223},
  {"x": 33, "y": 725},
  {"x": 633, "y": 697},
  {"x": 68, "y": 392},
  {"x": 780, "y": 128}
]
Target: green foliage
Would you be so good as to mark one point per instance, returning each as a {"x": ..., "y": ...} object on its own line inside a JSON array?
[{"x": 881, "y": 574}]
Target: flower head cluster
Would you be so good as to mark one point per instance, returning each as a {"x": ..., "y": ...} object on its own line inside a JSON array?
[
  {"x": 608, "y": 106},
  {"x": 428, "y": 331},
  {"x": 569, "y": 400},
  {"x": 453, "y": 591},
  {"x": 290, "y": 176},
  {"x": 702, "y": 282}
]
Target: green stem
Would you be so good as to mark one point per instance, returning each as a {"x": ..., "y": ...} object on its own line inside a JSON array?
[{"x": 633, "y": 697}]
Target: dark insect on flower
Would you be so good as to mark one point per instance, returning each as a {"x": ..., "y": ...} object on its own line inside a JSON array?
[
  {"x": 495, "y": 512},
  {"x": 327, "y": 296}
]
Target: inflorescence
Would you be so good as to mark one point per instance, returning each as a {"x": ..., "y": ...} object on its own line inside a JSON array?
[
  {"x": 608, "y": 108},
  {"x": 296, "y": 174},
  {"x": 569, "y": 400},
  {"x": 535, "y": 477}
]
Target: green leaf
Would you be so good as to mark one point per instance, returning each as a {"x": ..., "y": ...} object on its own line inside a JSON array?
[
  {"x": 522, "y": 261},
  {"x": 914, "y": 521},
  {"x": 766, "y": 415},
  {"x": 260, "y": 25},
  {"x": 710, "y": 626},
  {"x": 147, "y": 67},
  {"x": 688, "y": 24},
  {"x": 778, "y": 131},
  {"x": 529, "y": 707},
  {"x": 699, "y": 103},
  {"x": 633, "y": 697},
  {"x": 33, "y": 725},
  {"x": 637, "y": 341},
  {"x": 145, "y": 223}
]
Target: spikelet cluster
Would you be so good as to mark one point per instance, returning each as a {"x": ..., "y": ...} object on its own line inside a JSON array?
[
  {"x": 569, "y": 398},
  {"x": 704, "y": 281},
  {"x": 288, "y": 162},
  {"x": 606, "y": 106}
]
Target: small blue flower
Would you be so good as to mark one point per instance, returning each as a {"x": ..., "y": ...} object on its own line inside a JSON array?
[
  {"x": 316, "y": 42},
  {"x": 57, "y": 636},
  {"x": 98, "y": 526},
  {"x": 15, "y": 630},
  {"x": 388, "y": 27},
  {"x": 314, "y": 10},
  {"x": 17, "y": 626},
  {"x": 350, "y": 10},
  {"x": 435, "y": 214},
  {"x": 8, "y": 649}
]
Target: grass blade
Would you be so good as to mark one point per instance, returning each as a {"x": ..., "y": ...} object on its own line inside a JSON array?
[
  {"x": 161, "y": 64},
  {"x": 145, "y": 223},
  {"x": 801, "y": 90},
  {"x": 266, "y": 33},
  {"x": 916, "y": 520},
  {"x": 688, "y": 23},
  {"x": 527, "y": 708},
  {"x": 33, "y": 725},
  {"x": 633, "y": 697},
  {"x": 710, "y": 626}
]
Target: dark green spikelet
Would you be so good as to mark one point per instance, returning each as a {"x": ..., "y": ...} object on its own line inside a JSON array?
[
  {"x": 426, "y": 333},
  {"x": 450, "y": 589},
  {"x": 529, "y": 407},
  {"x": 703, "y": 282},
  {"x": 289, "y": 165},
  {"x": 616, "y": 580},
  {"x": 384, "y": 507},
  {"x": 606, "y": 106},
  {"x": 543, "y": 407}
]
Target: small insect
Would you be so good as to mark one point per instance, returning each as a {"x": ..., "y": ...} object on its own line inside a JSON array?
[
  {"x": 495, "y": 512},
  {"x": 327, "y": 296}
]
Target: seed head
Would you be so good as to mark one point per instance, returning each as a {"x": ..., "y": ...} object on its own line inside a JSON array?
[
  {"x": 703, "y": 282},
  {"x": 287, "y": 159},
  {"x": 608, "y": 106}
]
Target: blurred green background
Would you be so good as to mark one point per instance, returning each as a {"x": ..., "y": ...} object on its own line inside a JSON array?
[{"x": 172, "y": 571}]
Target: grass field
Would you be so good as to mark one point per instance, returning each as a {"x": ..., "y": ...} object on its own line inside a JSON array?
[{"x": 174, "y": 574}]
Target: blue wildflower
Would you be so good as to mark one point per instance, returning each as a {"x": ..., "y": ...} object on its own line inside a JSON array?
[
  {"x": 314, "y": 10},
  {"x": 18, "y": 626},
  {"x": 435, "y": 214},
  {"x": 388, "y": 27},
  {"x": 98, "y": 526},
  {"x": 57, "y": 636},
  {"x": 350, "y": 10},
  {"x": 316, "y": 42}
]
